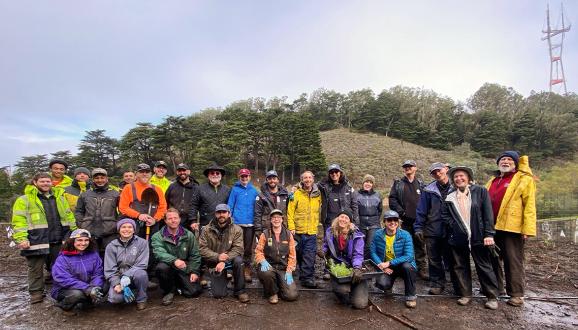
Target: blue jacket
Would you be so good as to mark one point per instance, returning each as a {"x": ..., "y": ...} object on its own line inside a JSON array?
[
  {"x": 76, "y": 271},
  {"x": 428, "y": 213},
  {"x": 402, "y": 247},
  {"x": 242, "y": 203}
]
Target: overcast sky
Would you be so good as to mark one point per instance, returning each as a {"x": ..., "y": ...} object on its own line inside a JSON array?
[{"x": 71, "y": 66}]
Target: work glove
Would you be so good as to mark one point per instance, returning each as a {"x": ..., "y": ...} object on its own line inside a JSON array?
[
  {"x": 289, "y": 278},
  {"x": 96, "y": 295},
  {"x": 265, "y": 266},
  {"x": 494, "y": 250},
  {"x": 419, "y": 235},
  {"x": 127, "y": 295},
  {"x": 124, "y": 281},
  {"x": 356, "y": 277}
]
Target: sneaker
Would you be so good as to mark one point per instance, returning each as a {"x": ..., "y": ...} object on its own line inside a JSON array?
[
  {"x": 243, "y": 297},
  {"x": 436, "y": 291},
  {"x": 168, "y": 299},
  {"x": 491, "y": 304},
  {"x": 310, "y": 284},
  {"x": 410, "y": 303},
  {"x": 516, "y": 301},
  {"x": 141, "y": 306},
  {"x": 36, "y": 297},
  {"x": 248, "y": 274},
  {"x": 464, "y": 301},
  {"x": 326, "y": 277},
  {"x": 274, "y": 299}
]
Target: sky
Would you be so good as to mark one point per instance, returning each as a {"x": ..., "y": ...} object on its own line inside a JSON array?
[{"x": 67, "y": 67}]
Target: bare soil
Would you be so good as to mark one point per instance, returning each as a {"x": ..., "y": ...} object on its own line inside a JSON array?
[{"x": 551, "y": 272}]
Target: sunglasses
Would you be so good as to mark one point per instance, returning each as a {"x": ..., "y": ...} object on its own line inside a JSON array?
[
  {"x": 391, "y": 220},
  {"x": 333, "y": 172},
  {"x": 214, "y": 173}
]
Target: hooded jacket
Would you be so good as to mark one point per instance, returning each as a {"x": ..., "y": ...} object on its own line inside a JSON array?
[
  {"x": 402, "y": 248},
  {"x": 163, "y": 182},
  {"x": 180, "y": 196},
  {"x": 65, "y": 182},
  {"x": 352, "y": 256},
  {"x": 31, "y": 223},
  {"x": 215, "y": 240},
  {"x": 428, "y": 213},
  {"x": 242, "y": 203},
  {"x": 78, "y": 271},
  {"x": 96, "y": 211},
  {"x": 73, "y": 191},
  {"x": 124, "y": 259},
  {"x": 369, "y": 207},
  {"x": 205, "y": 201},
  {"x": 337, "y": 198},
  {"x": 186, "y": 249},
  {"x": 266, "y": 202},
  {"x": 304, "y": 211},
  {"x": 517, "y": 212},
  {"x": 481, "y": 223}
]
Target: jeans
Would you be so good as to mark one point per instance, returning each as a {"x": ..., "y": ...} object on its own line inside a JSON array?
[
  {"x": 273, "y": 282},
  {"x": 405, "y": 271},
  {"x": 138, "y": 283},
  {"x": 356, "y": 294},
  {"x": 306, "y": 252},
  {"x": 170, "y": 279}
]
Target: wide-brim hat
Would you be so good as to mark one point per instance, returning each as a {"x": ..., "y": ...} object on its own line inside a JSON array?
[
  {"x": 461, "y": 168},
  {"x": 214, "y": 167}
]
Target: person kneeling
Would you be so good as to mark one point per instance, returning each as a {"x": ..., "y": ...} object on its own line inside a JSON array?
[
  {"x": 77, "y": 273},
  {"x": 125, "y": 262},
  {"x": 392, "y": 251},
  {"x": 275, "y": 253},
  {"x": 344, "y": 243},
  {"x": 179, "y": 259}
]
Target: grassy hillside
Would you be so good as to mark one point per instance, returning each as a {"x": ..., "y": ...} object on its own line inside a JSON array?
[{"x": 381, "y": 156}]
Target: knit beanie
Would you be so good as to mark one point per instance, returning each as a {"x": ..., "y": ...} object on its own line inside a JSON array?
[
  {"x": 123, "y": 221},
  {"x": 369, "y": 177},
  {"x": 347, "y": 213},
  {"x": 81, "y": 170},
  {"x": 512, "y": 154}
]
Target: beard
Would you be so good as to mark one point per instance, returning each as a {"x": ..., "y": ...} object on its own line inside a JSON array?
[{"x": 506, "y": 169}]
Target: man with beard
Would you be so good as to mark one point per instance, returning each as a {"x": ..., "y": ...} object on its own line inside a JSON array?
[
  {"x": 513, "y": 195},
  {"x": 208, "y": 196},
  {"x": 180, "y": 193},
  {"x": 272, "y": 197},
  {"x": 221, "y": 246}
]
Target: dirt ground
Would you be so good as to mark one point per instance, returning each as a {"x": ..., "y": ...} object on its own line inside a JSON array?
[{"x": 551, "y": 272}]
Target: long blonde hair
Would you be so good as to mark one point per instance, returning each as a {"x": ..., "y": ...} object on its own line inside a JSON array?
[{"x": 336, "y": 231}]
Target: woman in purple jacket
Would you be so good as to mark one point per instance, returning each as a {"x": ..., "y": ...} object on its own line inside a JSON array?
[
  {"x": 344, "y": 243},
  {"x": 77, "y": 273}
]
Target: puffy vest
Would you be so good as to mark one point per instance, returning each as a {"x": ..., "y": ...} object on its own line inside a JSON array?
[{"x": 277, "y": 252}]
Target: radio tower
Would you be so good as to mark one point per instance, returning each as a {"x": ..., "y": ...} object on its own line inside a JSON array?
[{"x": 555, "y": 39}]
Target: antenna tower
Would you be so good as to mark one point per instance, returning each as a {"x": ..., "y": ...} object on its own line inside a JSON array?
[{"x": 555, "y": 39}]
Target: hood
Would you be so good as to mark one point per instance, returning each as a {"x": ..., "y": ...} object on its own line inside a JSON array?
[
  {"x": 314, "y": 191},
  {"x": 282, "y": 191},
  {"x": 32, "y": 191}
]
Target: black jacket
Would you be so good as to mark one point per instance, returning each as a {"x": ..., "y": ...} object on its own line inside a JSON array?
[
  {"x": 97, "y": 211},
  {"x": 267, "y": 202},
  {"x": 336, "y": 198},
  {"x": 369, "y": 207},
  {"x": 180, "y": 196},
  {"x": 396, "y": 202},
  {"x": 205, "y": 201},
  {"x": 481, "y": 218}
]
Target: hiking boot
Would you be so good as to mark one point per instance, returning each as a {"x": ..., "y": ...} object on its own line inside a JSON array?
[
  {"x": 516, "y": 301},
  {"x": 423, "y": 275},
  {"x": 168, "y": 299},
  {"x": 491, "y": 304},
  {"x": 410, "y": 303},
  {"x": 464, "y": 301},
  {"x": 243, "y": 297},
  {"x": 436, "y": 291},
  {"x": 36, "y": 297},
  {"x": 310, "y": 284},
  {"x": 68, "y": 313},
  {"x": 273, "y": 299},
  {"x": 247, "y": 273},
  {"x": 326, "y": 277},
  {"x": 141, "y": 305}
]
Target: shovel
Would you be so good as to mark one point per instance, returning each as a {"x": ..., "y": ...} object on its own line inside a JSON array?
[{"x": 149, "y": 196}]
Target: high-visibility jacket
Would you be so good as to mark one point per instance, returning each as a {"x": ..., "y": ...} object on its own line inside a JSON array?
[
  {"x": 66, "y": 181},
  {"x": 163, "y": 182},
  {"x": 29, "y": 220}
]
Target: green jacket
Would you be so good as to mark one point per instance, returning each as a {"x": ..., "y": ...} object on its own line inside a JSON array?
[
  {"x": 187, "y": 249},
  {"x": 29, "y": 219}
]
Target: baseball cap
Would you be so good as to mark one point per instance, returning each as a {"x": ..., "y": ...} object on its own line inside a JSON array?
[
  {"x": 143, "y": 167},
  {"x": 222, "y": 207},
  {"x": 409, "y": 162},
  {"x": 98, "y": 171},
  {"x": 275, "y": 211},
  {"x": 161, "y": 163},
  {"x": 182, "y": 166},
  {"x": 244, "y": 171},
  {"x": 80, "y": 233},
  {"x": 334, "y": 167},
  {"x": 271, "y": 173},
  {"x": 436, "y": 166}
]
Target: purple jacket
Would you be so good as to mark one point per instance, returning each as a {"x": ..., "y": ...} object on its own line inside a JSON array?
[
  {"x": 76, "y": 271},
  {"x": 353, "y": 254}
]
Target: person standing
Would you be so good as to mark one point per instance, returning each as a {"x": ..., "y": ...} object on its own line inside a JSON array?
[
  {"x": 467, "y": 211},
  {"x": 272, "y": 197},
  {"x": 58, "y": 168},
  {"x": 513, "y": 195},
  {"x": 41, "y": 220},
  {"x": 210, "y": 194},
  {"x": 80, "y": 184},
  {"x": 180, "y": 193},
  {"x": 403, "y": 198},
  {"x": 338, "y": 195},
  {"x": 221, "y": 246},
  {"x": 369, "y": 206},
  {"x": 179, "y": 259},
  {"x": 127, "y": 178},
  {"x": 96, "y": 210},
  {"x": 303, "y": 219},
  {"x": 159, "y": 178},
  {"x": 242, "y": 204},
  {"x": 430, "y": 226}
]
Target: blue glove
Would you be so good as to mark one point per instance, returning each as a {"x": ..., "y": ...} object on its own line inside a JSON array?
[
  {"x": 124, "y": 281},
  {"x": 265, "y": 266},
  {"x": 127, "y": 295},
  {"x": 289, "y": 278}
]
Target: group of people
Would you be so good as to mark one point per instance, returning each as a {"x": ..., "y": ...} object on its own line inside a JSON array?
[{"x": 101, "y": 242}]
